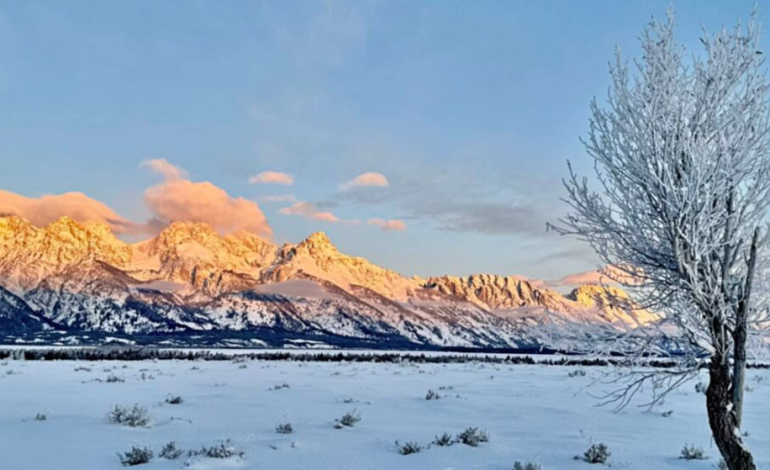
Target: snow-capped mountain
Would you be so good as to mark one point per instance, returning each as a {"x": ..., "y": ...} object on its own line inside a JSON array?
[
  {"x": 17, "y": 319},
  {"x": 191, "y": 282},
  {"x": 29, "y": 254}
]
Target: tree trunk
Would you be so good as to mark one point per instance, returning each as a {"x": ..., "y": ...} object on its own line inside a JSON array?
[
  {"x": 740, "y": 334},
  {"x": 739, "y": 372},
  {"x": 722, "y": 419}
]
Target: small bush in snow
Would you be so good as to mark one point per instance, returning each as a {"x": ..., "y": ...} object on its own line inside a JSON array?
[
  {"x": 577, "y": 373},
  {"x": 526, "y": 466},
  {"x": 473, "y": 437},
  {"x": 348, "y": 420},
  {"x": 41, "y": 417},
  {"x": 82, "y": 369},
  {"x": 278, "y": 387},
  {"x": 174, "y": 400},
  {"x": 170, "y": 451},
  {"x": 700, "y": 387},
  {"x": 431, "y": 395},
  {"x": 444, "y": 440},
  {"x": 223, "y": 450},
  {"x": 668, "y": 413},
  {"x": 136, "y": 456},
  {"x": 409, "y": 448},
  {"x": 691, "y": 452},
  {"x": 284, "y": 428},
  {"x": 135, "y": 416},
  {"x": 597, "y": 453},
  {"x": 114, "y": 379}
]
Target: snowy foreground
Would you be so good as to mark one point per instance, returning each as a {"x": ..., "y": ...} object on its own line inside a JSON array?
[{"x": 536, "y": 413}]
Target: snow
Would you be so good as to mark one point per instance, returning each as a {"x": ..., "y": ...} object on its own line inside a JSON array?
[
  {"x": 532, "y": 413},
  {"x": 295, "y": 288}
]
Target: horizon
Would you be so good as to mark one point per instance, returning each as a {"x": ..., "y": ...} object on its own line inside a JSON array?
[{"x": 424, "y": 152}]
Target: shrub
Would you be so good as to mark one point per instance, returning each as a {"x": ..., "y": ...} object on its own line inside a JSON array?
[
  {"x": 41, "y": 417},
  {"x": 526, "y": 466},
  {"x": 409, "y": 448},
  {"x": 135, "y": 416},
  {"x": 112, "y": 378},
  {"x": 691, "y": 452},
  {"x": 280, "y": 386},
  {"x": 668, "y": 413},
  {"x": 223, "y": 450},
  {"x": 431, "y": 395},
  {"x": 597, "y": 453},
  {"x": 136, "y": 456},
  {"x": 170, "y": 451},
  {"x": 444, "y": 440},
  {"x": 174, "y": 400},
  {"x": 348, "y": 420},
  {"x": 284, "y": 428},
  {"x": 577, "y": 373},
  {"x": 473, "y": 437}
]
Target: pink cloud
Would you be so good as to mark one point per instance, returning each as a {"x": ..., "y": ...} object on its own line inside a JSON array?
[
  {"x": 48, "y": 208},
  {"x": 366, "y": 179},
  {"x": 162, "y": 167},
  {"x": 308, "y": 211},
  {"x": 272, "y": 177},
  {"x": 606, "y": 276},
  {"x": 179, "y": 199},
  {"x": 388, "y": 225}
]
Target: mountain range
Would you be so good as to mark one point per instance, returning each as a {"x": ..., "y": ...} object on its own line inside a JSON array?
[{"x": 71, "y": 282}]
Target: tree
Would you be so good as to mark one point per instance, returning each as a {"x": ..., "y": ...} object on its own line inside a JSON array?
[{"x": 681, "y": 153}]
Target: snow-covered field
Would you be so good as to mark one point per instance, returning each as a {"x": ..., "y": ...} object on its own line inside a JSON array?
[{"x": 536, "y": 413}]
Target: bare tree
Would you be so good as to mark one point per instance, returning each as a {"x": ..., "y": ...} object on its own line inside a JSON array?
[{"x": 682, "y": 159}]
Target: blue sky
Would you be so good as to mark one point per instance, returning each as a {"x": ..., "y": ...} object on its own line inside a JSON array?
[{"x": 470, "y": 109}]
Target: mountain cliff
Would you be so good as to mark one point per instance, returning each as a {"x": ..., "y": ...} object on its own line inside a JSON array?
[
  {"x": 499, "y": 292},
  {"x": 192, "y": 282},
  {"x": 29, "y": 254},
  {"x": 318, "y": 257}
]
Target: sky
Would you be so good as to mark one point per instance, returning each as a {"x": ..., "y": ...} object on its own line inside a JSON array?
[{"x": 429, "y": 137}]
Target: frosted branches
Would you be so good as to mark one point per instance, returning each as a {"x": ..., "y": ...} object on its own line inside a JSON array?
[{"x": 681, "y": 154}]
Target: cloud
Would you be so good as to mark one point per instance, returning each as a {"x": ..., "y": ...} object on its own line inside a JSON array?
[
  {"x": 272, "y": 177},
  {"x": 594, "y": 277},
  {"x": 278, "y": 198},
  {"x": 366, "y": 179},
  {"x": 179, "y": 199},
  {"x": 388, "y": 225},
  {"x": 457, "y": 203},
  {"x": 46, "y": 209},
  {"x": 308, "y": 211},
  {"x": 162, "y": 167}
]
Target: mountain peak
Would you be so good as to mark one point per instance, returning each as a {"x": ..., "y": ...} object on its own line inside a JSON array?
[
  {"x": 318, "y": 239},
  {"x": 189, "y": 228},
  {"x": 592, "y": 295},
  {"x": 64, "y": 223},
  {"x": 195, "y": 253},
  {"x": 13, "y": 223},
  {"x": 29, "y": 254}
]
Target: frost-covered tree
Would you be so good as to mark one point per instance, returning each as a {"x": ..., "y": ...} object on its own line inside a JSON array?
[{"x": 681, "y": 152}]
